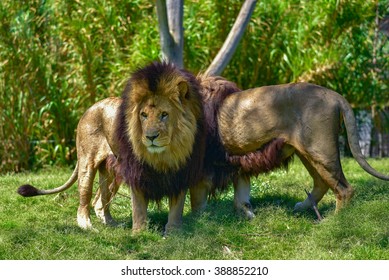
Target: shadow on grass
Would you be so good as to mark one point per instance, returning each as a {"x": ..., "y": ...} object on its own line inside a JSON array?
[
  {"x": 283, "y": 201},
  {"x": 219, "y": 215},
  {"x": 221, "y": 211}
]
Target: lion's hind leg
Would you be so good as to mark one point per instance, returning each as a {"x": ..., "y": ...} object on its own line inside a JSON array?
[
  {"x": 320, "y": 188},
  {"x": 326, "y": 174},
  {"x": 107, "y": 190},
  {"x": 344, "y": 192},
  {"x": 86, "y": 175},
  {"x": 242, "y": 196}
]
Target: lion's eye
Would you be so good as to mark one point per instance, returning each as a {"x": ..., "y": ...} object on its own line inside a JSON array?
[
  {"x": 143, "y": 115},
  {"x": 164, "y": 116}
]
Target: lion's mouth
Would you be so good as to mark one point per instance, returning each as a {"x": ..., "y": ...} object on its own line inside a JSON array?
[{"x": 155, "y": 149}]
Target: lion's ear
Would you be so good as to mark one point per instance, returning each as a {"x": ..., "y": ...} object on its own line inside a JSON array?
[{"x": 183, "y": 89}]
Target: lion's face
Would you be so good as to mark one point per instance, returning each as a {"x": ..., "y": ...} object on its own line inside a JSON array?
[
  {"x": 162, "y": 122},
  {"x": 157, "y": 120}
]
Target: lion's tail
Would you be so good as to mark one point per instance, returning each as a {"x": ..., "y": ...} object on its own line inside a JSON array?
[
  {"x": 28, "y": 190},
  {"x": 352, "y": 135}
]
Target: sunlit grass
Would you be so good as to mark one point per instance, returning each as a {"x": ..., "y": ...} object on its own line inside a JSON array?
[{"x": 46, "y": 228}]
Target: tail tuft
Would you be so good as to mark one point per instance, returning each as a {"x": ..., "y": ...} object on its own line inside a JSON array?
[{"x": 27, "y": 190}]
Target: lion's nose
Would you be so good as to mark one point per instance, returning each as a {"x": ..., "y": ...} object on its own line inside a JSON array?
[{"x": 152, "y": 137}]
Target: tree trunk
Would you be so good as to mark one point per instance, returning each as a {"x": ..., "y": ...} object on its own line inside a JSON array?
[
  {"x": 380, "y": 143},
  {"x": 365, "y": 125},
  {"x": 170, "y": 20},
  {"x": 226, "y": 52}
]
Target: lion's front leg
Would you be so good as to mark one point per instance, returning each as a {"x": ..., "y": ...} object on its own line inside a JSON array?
[
  {"x": 176, "y": 209},
  {"x": 139, "y": 210},
  {"x": 242, "y": 196}
]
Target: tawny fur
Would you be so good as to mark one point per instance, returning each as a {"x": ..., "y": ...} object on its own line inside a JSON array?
[
  {"x": 260, "y": 129},
  {"x": 113, "y": 134},
  {"x": 220, "y": 164},
  {"x": 168, "y": 173}
]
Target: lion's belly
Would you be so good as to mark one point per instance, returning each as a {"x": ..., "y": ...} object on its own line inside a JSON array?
[
  {"x": 238, "y": 142},
  {"x": 248, "y": 121},
  {"x": 297, "y": 113}
]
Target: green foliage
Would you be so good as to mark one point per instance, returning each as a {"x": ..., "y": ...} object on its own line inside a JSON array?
[
  {"x": 325, "y": 42},
  {"x": 46, "y": 227},
  {"x": 59, "y": 57}
]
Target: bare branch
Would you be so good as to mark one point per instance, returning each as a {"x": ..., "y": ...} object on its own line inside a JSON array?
[
  {"x": 226, "y": 52},
  {"x": 314, "y": 205}
]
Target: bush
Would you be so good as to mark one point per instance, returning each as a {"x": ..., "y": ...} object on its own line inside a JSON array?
[{"x": 59, "y": 57}]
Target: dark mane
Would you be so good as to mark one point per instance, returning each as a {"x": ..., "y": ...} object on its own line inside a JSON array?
[
  {"x": 215, "y": 90},
  {"x": 155, "y": 185},
  {"x": 156, "y": 72},
  {"x": 219, "y": 164},
  {"x": 266, "y": 159}
]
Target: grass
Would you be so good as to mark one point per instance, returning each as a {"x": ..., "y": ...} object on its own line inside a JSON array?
[{"x": 45, "y": 227}]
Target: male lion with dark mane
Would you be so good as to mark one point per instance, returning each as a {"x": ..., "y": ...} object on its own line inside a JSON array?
[
  {"x": 257, "y": 130},
  {"x": 153, "y": 139}
]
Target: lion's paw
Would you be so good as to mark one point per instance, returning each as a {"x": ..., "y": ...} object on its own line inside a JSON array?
[
  {"x": 106, "y": 218},
  {"x": 249, "y": 214},
  {"x": 110, "y": 222},
  {"x": 246, "y": 210},
  {"x": 84, "y": 223},
  {"x": 302, "y": 206}
]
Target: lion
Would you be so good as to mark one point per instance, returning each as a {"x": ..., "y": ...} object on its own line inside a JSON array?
[
  {"x": 258, "y": 130},
  {"x": 152, "y": 138}
]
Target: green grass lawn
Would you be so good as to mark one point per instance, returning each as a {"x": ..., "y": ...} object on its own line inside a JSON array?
[{"x": 46, "y": 228}]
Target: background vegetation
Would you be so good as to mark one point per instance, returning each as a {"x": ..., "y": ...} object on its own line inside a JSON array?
[
  {"x": 46, "y": 227},
  {"x": 59, "y": 57}
]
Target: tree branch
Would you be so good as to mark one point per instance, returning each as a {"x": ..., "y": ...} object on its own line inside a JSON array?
[{"x": 226, "y": 52}]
